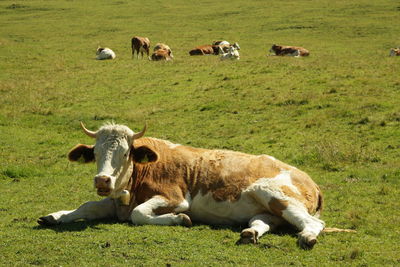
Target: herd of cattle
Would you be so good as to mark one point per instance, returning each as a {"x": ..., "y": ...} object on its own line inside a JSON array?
[{"x": 223, "y": 48}]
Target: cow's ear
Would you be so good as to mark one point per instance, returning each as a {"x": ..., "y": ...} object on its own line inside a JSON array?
[
  {"x": 82, "y": 153},
  {"x": 144, "y": 154}
]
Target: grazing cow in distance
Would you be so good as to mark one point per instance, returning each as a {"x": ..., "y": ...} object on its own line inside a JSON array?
[
  {"x": 394, "y": 52},
  {"x": 231, "y": 54},
  {"x": 140, "y": 44},
  {"x": 294, "y": 51},
  {"x": 205, "y": 50},
  {"x": 161, "y": 54},
  {"x": 104, "y": 53},
  {"x": 154, "y": 181}
]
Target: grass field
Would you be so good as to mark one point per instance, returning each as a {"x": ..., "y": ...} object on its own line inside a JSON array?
[{"x": 335, "y": 115}]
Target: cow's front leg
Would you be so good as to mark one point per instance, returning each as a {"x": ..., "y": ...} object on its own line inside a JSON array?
[
  {"x": 159, "y": 211},
  {"x": 88, "y": 211}
]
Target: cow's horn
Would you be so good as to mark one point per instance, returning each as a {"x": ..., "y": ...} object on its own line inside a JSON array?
[
  {"x": 88, "y": 132},
  {"x": 140, "y": 134}
]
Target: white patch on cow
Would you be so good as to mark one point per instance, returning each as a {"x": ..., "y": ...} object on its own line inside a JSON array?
[
  {"x": 172, "y": 145},
  {"x": 112, "y": 155},
  {"x": 185, "y": 204},
  {"x": 271, "y": 158},
  {"x": 204, "y": 208},
  {"x": 283, "y": 178}
]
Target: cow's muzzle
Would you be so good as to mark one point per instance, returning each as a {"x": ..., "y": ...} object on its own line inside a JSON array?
[{"x": 103, "y": 185}]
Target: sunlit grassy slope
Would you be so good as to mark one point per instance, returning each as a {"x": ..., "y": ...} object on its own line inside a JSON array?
[{"x": 335, "y": 115}]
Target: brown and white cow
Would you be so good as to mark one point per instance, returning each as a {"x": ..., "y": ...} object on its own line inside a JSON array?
[
  {"x": 394, "y": 52},
  {"x": 294, "y": 51},
  {"x": 161, "y": 52},
  {"x": 225, "y": 45},
  {"x": 140, "y": 44},
  {"x": 153, "y": 181},
  {"x": 205, "y": 50}
]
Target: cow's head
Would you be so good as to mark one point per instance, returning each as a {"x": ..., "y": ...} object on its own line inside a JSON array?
[
  {"x": 113, "y": 153},
  {"x": 99, "y": 50},
  {"x": 275, "y": 48}
]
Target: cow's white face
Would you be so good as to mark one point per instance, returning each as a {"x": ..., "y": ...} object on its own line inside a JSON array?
[
  {"x": 111, "y": 151},
  {"x": 112, "y": 155}
]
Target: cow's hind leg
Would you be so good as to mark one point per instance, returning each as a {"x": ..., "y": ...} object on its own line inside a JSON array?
[
  {"x": 258, "y": 226},
  {"x": 310, "y": 227}
]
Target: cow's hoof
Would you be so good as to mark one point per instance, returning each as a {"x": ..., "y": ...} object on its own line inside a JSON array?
[
  {"x": 307, "y": 241},
  {"x": 47, "y": 221},
  {"x": 248, "y": 236},
  {"x": 186, "y": 221}
]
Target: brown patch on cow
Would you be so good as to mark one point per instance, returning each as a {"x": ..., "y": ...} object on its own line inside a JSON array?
[
  {"x": 205, "y": 50},
  {"x": 82, "y": 153},
  {"x": 310, "y": 193},
  {"x": 161, "y": 54},
  {"x": 277, "y": 206},
  {"x": 164, "y": 210}
]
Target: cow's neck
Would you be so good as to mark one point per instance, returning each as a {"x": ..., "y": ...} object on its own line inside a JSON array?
[{"x": 123, "y": 179}]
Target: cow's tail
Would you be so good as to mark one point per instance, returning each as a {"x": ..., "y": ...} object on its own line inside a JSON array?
[
  {"x": 320, "y": 204},
  {"x": 337, "y": 230}
]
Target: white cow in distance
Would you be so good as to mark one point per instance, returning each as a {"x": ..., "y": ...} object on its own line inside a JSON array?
[
  {"x": 233, "y": 53},
  {"x": 104, "y": 53}
]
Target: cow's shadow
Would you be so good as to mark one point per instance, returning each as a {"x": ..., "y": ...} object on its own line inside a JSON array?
[
  {"x": 95, "y": 224},
  {"x": 77, "y": 226}
]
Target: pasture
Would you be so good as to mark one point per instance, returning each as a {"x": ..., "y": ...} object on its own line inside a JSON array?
[{"x": 334, "y": 114}]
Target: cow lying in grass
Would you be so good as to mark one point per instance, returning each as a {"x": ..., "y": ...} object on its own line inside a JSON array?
[
  {"x": 294, "y": 51},
  {"x": 161, "y": 52},
  {"x": 394, "y": 52},
  {"x": 225, "y": 45},
  {"x": 231, "y": 54},
  {"x": 104, "y": 53},
  {"x": 154, "y": 181},
  {"x": 204, "y": 50}
]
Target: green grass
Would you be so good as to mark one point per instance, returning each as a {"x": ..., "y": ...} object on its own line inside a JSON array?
[{"x": 335, "y": 115}]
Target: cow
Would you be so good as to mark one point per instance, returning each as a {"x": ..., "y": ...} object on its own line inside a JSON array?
[
  {"x": 161, "y": 46},
  {"x": 104, "y": 53},
  {"x": 205, "y": 50},
  {"x": 140, "y": 44},
  {"x": 294, "y": 51},
  {"x": 160, "y": 54},
  {"x": 231, "y": 54},
  {"x": 151, "y": 181},
  {"x": 394, "y": 52},
  {"x": 225, "y": 45}
]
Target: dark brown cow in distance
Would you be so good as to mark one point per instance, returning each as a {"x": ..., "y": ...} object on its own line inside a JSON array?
[
  {"x": 140, "y": 44},
  {"x": 205, "y": 50},
  {"x": 294, "y": 51}
]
